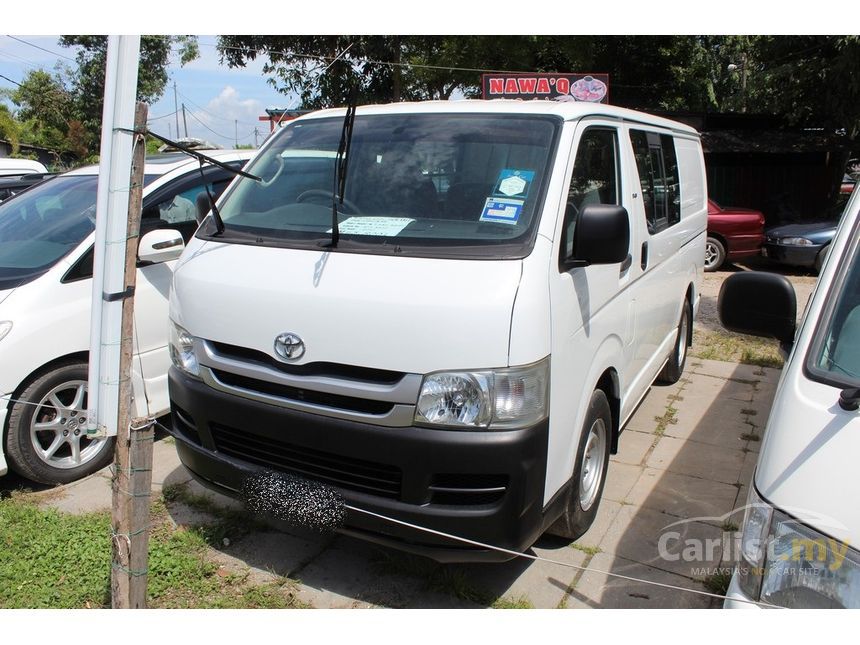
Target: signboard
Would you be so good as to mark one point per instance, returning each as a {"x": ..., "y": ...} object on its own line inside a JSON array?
[{"x": 593, "y": 88}]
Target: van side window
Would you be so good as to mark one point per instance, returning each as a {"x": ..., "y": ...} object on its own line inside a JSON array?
[
  {"x": 595, "y": 178},
  {"x": 657, "y": 164}
]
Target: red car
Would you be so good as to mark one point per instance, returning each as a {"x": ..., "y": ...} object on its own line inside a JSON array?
[{"x": 733, "y": 233}]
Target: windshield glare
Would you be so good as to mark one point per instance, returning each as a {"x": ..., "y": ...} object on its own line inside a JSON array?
[
  {"x": 39, "y": 227},
  {"x": 419, "y": 180}
]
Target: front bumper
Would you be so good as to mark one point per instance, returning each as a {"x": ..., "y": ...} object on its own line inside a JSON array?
[
  {"x": 483, "y": 486},
  {"x": 803, "y": 256}
]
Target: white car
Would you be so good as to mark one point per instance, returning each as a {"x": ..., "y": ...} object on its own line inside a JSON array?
[
  {"x": 802, "y": 522},
  {"x": 9, "y": 166},
  {"x": 46, "y": 264}
]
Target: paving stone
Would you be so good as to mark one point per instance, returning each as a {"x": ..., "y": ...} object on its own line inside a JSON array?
[
  {"x": 166, "y": 465},
  {"x": 653, "y": 405},
  {"x": 721, "y": 423},
  {"x": 606, "y": 514},
  {"x": 267, "y": 555},
  {"x": 353, "y": 574},
  {"x": 663, "y": 541},
  {"x": 543, "y": 584},
  {"x": 600, "y": 590},
  {"x": 633, "y": 446},
  {"x": 748, "y": 467},
  {"x": 697, "y": 459},
  {"x": 620, "y": 481},
  {"x": 88, "y": 495},
  {"x": 683, "y": 496}
]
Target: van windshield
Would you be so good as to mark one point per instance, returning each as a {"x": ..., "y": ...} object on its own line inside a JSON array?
[
  {"x": 421, "y": 184},
  {"x": 836, "y": 356}
]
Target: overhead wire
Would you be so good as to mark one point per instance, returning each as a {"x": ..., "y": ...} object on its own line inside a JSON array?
[{"x": 21, "y": 40}]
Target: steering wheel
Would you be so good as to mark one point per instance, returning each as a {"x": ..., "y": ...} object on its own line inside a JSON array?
[{"x": 321, "y": 192}]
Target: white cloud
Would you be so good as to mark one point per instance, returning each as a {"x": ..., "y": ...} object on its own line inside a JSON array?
[{"x": 224, "y": 115}]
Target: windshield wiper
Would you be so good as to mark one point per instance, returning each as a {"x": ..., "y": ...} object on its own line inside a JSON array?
[
  {"x": 341, "y": 161},
  {"x": 216, "y": 215}
]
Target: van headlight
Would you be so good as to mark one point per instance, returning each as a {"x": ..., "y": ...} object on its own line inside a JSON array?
[
  {"x": 786, "y": 563},
  {"x": 182, "y": 350},
  {"x": 500, "y": 399}
]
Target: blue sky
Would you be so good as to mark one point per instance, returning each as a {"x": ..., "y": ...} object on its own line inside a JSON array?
[{"x": 218, "y": 100}]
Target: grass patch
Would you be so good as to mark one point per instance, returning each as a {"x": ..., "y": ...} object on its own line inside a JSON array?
[
  {"x": 718, "y": 582},
  {"x": 736, "y": 348},
  {"x": 668, "y": 418},
  {"x": 729, "y": 527},
  {"x": 52, "y": 559},
  {"x": 520, "y": 602},
  {"x": 588, "y": 550}
]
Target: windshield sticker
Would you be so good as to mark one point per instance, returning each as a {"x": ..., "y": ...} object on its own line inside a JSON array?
[
  {"x": 503, "y": 211},
  {"x": 378, "y": 226},
  {"x": 514, "y": 183}
]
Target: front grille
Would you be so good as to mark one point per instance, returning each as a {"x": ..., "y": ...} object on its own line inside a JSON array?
[
  {"x": 328, "y": 370},
  {"x": 467, "y": 489},
  {"x": 344, "y": 472},
  {"x": 337, "y": 401}
]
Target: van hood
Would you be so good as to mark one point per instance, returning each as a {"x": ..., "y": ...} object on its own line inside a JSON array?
[
  {"x": 4, "y": 293},
  {"x": 810, "y": 450},
  {"x": 395, "y": 313}
]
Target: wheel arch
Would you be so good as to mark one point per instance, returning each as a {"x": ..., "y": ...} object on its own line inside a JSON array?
[{"x": 38, "y": 372}]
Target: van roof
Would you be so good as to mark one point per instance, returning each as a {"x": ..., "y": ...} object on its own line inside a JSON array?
[{"x": 568, "y": 110}]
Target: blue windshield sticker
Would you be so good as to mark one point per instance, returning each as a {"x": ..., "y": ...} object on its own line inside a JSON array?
[
  {"x": 502, "y": 211},
  {"x": 514, "y": 183}
]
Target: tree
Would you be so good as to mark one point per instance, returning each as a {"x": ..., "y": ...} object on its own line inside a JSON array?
[{"x": 87, "y": 81}]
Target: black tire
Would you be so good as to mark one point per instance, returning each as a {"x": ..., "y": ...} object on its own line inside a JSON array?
[
  {"x": 65, "y": 385},
  {"x": 715, "y": 254},
  {"x": 576, "y": 518},
  {"x": 674, "y": 367}
]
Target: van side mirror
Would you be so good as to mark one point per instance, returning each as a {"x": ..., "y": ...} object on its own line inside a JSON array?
[
  {"x": 160, "y": 245},
  {"x": 759, "y": 304},
  {"x": 601, "y": 236},
  {"x": 203, "y": 205}
]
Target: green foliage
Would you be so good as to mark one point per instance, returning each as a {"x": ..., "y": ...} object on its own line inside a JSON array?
[
  {"x": 87, "y": 80},
  {"x": 55, "y": 560}
]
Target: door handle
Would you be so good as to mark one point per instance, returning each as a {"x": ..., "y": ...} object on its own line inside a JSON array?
[
  {"x": 644, "y": 260},
  {"x": 628, "y": 262}
]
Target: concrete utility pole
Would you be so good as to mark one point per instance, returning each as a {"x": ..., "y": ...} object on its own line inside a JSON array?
[
  {"x": 176, "y": 109},
  {"x": 118, "y": 209},
  {"x": 184, "y": 120},
  {"x": 236, "y": 135},
  {"x": 256, "y": 137}
]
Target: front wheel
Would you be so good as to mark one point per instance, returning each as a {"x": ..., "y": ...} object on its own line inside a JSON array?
[
  {"x": 671, "y": 373},
  {"x": 589, "y": 476},
  {"x": 47, "y": 440}
]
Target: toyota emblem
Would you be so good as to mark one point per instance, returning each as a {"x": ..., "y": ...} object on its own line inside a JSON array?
[{"x": 289, "y": 347}]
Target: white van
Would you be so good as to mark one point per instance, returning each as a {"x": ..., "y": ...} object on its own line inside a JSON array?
[
  {"x": 10, "y": 166},
  {"x": 505, "y": 281},
  {"x": 802, "y": 522},
  {"x": 46, "y": 267}
]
